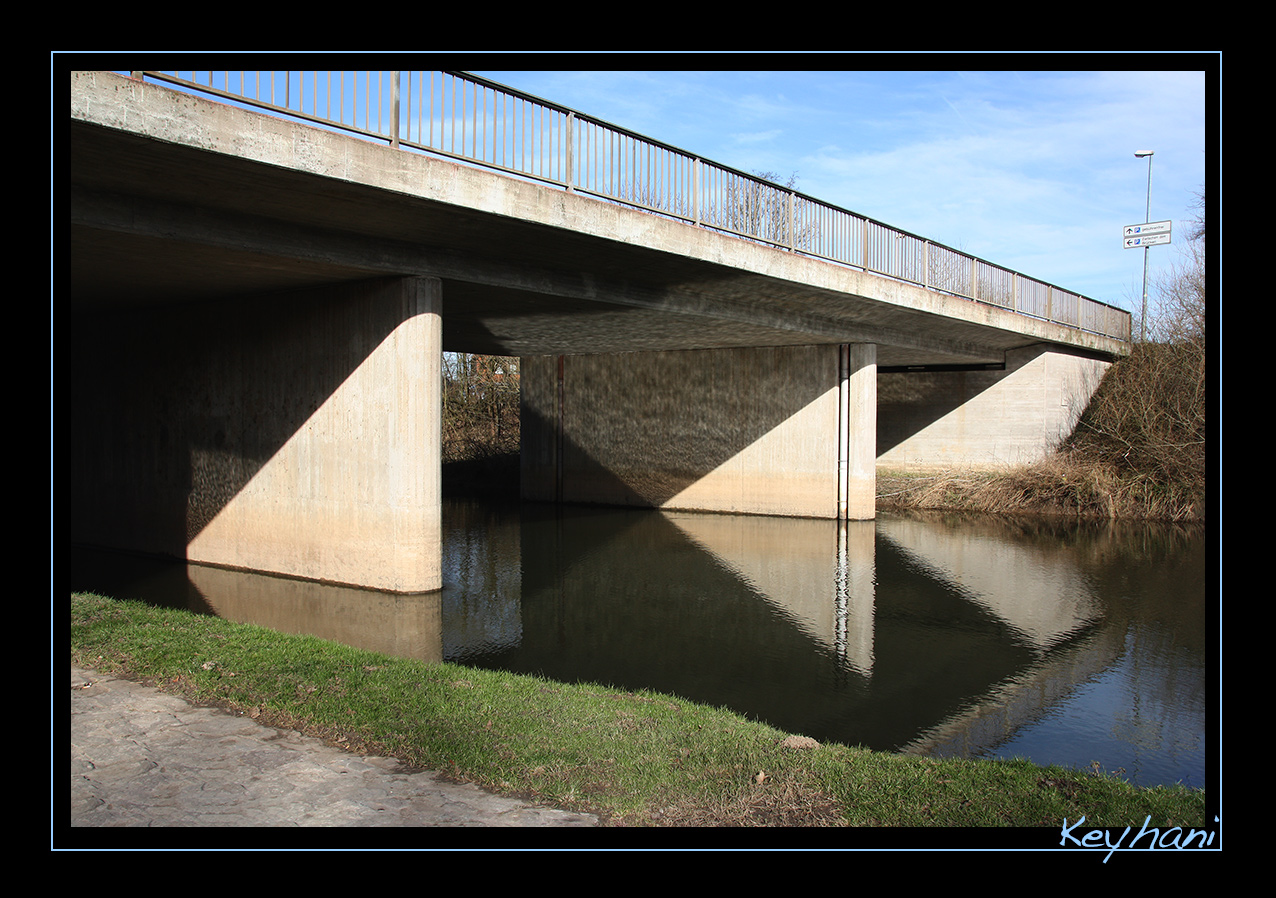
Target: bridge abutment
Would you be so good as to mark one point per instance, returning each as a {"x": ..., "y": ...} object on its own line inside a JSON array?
[
  {"x": 295, "y": 434},
  {"x": 995, "y": 418},
  {"x": 774, "y": 430}
]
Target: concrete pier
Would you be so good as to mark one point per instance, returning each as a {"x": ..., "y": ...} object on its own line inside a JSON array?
[
  {"x": 771, "y": 430},
  {"x": 295, "y": 434}
]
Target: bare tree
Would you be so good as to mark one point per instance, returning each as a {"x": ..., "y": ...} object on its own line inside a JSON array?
[
  {"x": 767, "y": 209},
  {"x": 1150, "y": 415},
  {"x": 480, "y": 406}
]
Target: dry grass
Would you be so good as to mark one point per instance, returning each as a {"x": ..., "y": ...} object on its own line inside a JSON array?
[
  {"x": 1068, "y": 483},
  {"x": 1140, "y": 450},
  {"x": 781, "y": 801}
]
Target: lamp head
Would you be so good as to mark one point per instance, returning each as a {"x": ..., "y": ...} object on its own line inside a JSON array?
[{"x": 1142, "y": 153}]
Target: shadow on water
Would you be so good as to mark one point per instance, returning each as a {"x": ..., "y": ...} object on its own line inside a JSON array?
[{"x": 1066, "y": 643}]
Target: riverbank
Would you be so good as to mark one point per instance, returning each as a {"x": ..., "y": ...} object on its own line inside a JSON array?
[
  {"x": 633, "y": 758},
  {"x": 1065, "y": 484}
]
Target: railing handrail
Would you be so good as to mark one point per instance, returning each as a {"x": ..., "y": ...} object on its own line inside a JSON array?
[{"x": 715, "y": 196}]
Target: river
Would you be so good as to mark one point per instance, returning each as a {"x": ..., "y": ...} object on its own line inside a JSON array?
[{"x": 1084, "y": 644}]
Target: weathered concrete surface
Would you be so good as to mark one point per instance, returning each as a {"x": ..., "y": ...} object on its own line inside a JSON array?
[
  {"x": 140, "y": 757},
  {"x": 752, "y": 431},
  {"x": 857, "y": 434},
  {"x": 296, "y": 434},
  {"x": 984, "y": 418},
  {"x": 793, "y": 431}
]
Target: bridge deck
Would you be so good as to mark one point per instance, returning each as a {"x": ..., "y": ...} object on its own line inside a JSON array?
[{"x": 176, "y": 198}]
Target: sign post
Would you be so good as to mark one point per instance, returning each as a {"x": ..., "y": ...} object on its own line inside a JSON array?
[{"x": 1150, "y": 233}]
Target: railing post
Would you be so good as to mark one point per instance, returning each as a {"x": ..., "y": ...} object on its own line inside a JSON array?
[
  {"x": 695, "y": 180},
  {"x": 792, "y": 240},
  {"x": 394, "y": 106},
  {"x": 571, "y": 120}
]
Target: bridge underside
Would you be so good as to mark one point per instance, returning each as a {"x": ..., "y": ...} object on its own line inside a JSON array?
[
  {"x": 259, "y": 309},
  {"x": 142, "y": 234}
]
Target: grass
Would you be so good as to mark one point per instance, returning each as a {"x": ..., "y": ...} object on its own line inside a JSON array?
[
  {"x": 1063, "y": 484},
  {"x": 635, "y": 758}
]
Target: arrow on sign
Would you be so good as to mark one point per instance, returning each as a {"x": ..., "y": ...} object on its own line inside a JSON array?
[
  {"x": 1151, "y": 227},
  {"x": 1149, "y": 240}
]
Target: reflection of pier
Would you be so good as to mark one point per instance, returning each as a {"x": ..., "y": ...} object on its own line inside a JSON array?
[
  {"x": 826, "y": 588},
  {"x": 932, "y": 639},
  {"x": 996, "y": 717},
  {"x": 408, "y": 626},
  {"x": 1040, "y": 593},
  {"x": 1044, "y": 598}
]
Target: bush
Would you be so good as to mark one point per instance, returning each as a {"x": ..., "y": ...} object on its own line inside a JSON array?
[
  {"x": 1149, "y": 420},
  {"x": 480, "y": 407},
  {"x": 1141, "y": 448}
]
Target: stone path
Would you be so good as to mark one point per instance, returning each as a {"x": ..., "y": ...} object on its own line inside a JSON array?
[{"x": 140, "y": 757}]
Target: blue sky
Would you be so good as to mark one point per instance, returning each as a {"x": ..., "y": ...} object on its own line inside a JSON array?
[{"x": 1033, "y": 170}]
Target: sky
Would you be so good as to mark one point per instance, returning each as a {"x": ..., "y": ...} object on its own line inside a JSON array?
[{"x": 1031, "y": 170}]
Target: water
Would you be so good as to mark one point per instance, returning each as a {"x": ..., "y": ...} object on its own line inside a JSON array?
[{"x": 1064, "y": 643}]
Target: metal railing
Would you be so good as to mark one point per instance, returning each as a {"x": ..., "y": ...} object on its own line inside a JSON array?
[{"x": 485, "y": 123}]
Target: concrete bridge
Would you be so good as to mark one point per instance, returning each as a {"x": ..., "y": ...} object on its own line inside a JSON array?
[{"x": 260, "y": 305}]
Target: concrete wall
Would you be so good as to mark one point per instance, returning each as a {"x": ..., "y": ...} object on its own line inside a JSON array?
[
  {"x": 752, "y": 431},
  {"x": 760, "y": 431},
  {"x": 984, "y": 418},
  {"x": 295, "y": 434}
]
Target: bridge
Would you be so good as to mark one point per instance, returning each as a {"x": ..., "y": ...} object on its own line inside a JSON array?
[{"x": 264, "y": 276}]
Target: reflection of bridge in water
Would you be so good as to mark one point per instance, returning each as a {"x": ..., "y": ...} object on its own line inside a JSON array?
[
  {"x": 996, "y": 717},
  {"x": 895, "y": 634},
  {"x": 405, "y": 626},
  {"x": 1046, "y": 599},
  {"x": 1040, "y": 594}
]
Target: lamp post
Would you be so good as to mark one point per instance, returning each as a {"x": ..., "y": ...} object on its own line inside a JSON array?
[{"x": 1143, "y": 323}]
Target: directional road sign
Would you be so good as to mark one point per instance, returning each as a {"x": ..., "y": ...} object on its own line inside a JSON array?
[
  {"x": 1150, "y": 227},
  {"x": 1147, "y": 234}
]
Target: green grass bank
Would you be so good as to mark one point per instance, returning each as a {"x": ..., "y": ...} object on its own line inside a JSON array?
[{"x": 635, "y": 758}]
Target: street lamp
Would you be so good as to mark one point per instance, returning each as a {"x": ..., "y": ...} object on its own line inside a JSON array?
[{"x": 1143, "y": 324}]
